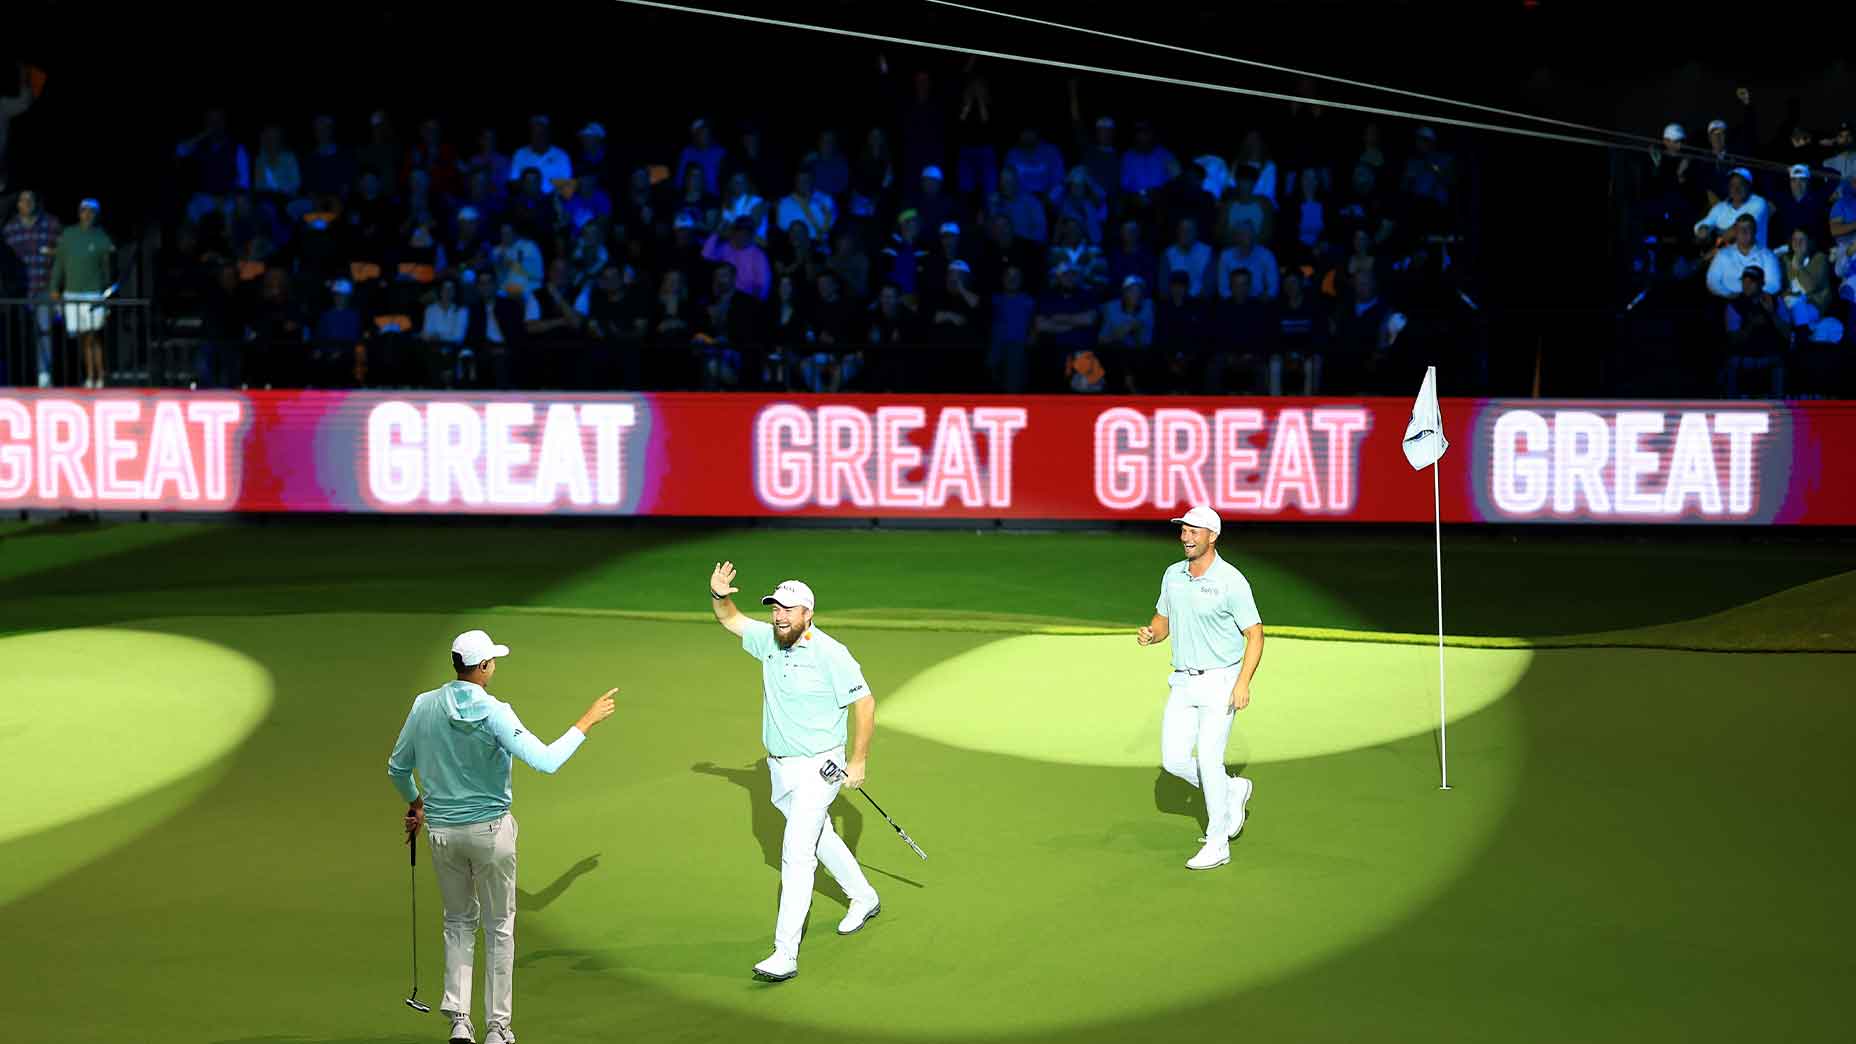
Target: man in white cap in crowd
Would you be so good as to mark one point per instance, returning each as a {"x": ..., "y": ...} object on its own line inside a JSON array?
[
  {"x": 809, "y": 680},
  {"x": 461, "y": 741},
  {"x": 1207, "y": 609},
  {"x": 1741, "y": 199}
]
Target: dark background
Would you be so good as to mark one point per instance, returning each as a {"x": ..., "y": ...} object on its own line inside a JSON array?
[{"x": 124, "y": 84}]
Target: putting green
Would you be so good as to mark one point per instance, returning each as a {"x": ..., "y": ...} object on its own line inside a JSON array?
[
  {"x": 1097, "y": 700},
  {"x": 1017, "y": 831},
  {"x": 1599, "y": 803},
  {"x": 101, "y": 718}
]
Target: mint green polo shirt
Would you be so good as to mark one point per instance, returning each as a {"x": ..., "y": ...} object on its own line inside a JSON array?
[
  {"x": 805, "y": 690},
  {"x": 1206, "y": 616}
]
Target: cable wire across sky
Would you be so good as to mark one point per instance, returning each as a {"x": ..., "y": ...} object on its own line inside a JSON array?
[{"x": 1619, "y": 139}]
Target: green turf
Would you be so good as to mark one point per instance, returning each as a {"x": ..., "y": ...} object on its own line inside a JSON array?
[
  {"x": 1555, "y": 584},
  {"x": 1641, "y": 845}
]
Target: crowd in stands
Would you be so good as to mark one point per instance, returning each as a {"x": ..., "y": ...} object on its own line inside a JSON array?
[
  {"x": 942, "y": 250},
  {"x": 1771, "y": 261},
  {"x": 939, "y": 250}
]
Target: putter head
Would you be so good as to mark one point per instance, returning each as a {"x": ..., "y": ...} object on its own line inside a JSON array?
[{"x": 414, "y": 1004}]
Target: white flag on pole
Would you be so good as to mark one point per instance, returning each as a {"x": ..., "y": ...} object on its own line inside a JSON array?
[{"x": 1424, "y": 436}]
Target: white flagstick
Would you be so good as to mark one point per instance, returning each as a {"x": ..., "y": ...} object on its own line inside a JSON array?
[{"x": 1443, "y": 739}]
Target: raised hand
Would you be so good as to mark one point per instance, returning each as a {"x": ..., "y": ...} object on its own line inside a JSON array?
[{"x": 722, "y": 581}]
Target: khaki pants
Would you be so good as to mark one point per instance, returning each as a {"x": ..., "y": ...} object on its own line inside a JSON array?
[{"x": 476, "y": 867}]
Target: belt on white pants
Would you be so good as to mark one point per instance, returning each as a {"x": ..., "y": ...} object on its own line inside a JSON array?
[{"x": 1194, "y": 672}]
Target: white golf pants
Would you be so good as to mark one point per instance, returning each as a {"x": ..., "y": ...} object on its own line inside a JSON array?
[
  {"x": 1198, "y": 715},
  {"x": 804, "y": 798},
  {"x": 476, "y": 866}
]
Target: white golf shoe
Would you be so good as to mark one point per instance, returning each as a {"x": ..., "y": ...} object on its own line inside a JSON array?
[
  {"x": 461, "y": 1032},
  {"x": 777, "y": 968},
  {"x": 498, "y": 1035},
  {"x": 859, "y": 913},
  {"x": 1238, "y": 797},
  {"x": 1217, "y": 852}
]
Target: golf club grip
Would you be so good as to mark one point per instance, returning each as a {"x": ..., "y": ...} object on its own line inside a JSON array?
[{"x": 412, "y": 847}]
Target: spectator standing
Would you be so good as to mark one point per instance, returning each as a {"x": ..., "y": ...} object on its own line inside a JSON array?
[
  {"x": 33, "y": 235},
  {"x": 12, "y": 105},
  {"x": 81, "y": 273},
  {"x": 976, "y": 172},
  {"x": 381, "y": 156}
]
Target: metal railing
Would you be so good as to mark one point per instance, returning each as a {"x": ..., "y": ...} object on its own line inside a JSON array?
[{"x": 38, "y": 345}]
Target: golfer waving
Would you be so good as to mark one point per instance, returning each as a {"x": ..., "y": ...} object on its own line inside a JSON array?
[
  {"x": 462, "y": 741},
  {"x": 809, "y": 680}
]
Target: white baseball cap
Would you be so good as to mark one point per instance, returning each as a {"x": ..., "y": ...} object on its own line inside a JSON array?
[
  {"x": 1202, "y": 517},
  {"x": 792, "y": 593},
  {"x": 1714, "y": 125},
  {"x": 1674, "y": 131},
  {"x": 1799, "y": 170},
  {"x": 474, "y": 647},
  {"x": 1741, "y": 173}
]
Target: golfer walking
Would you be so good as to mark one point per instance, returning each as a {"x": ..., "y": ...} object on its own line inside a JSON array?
[
  {"x": 808, "y": 680},
  {"x": 1207, "y": 609},
  {"x": 460, "y": 740}
]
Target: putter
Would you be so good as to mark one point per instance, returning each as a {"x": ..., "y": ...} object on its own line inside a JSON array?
[
  {"x": 412, "y": 1000},
  {"x": 834, "y": 774}
]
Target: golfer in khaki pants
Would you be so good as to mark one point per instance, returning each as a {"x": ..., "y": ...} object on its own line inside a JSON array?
[{"x": 461, "y": 741}]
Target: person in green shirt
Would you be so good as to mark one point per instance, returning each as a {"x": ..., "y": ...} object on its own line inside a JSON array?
[{"x": 80, "y": 282}]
